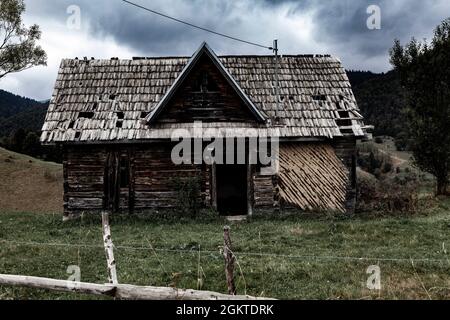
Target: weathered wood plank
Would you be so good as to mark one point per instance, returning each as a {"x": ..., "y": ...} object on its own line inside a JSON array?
[{"x": 120, "y": 291}]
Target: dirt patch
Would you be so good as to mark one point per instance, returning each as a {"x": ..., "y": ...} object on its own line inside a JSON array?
[{"x": 29, "y": 185}]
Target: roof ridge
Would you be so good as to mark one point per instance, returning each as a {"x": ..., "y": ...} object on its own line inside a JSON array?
[{"x": 220, "y": 56}]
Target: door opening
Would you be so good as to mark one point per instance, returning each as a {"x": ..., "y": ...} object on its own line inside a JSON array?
[{"x": 231, "y": 184}]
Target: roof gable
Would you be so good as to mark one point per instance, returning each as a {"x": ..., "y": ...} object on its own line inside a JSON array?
[{"x": 203, "y": 50}]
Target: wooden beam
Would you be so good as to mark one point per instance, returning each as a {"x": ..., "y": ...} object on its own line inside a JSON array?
[
  {"x": 249, "y": 189},
  {"x": 120, "y": 291},
  {"x": 214, "y": 185},
  {"x": 107, "y": 241}
]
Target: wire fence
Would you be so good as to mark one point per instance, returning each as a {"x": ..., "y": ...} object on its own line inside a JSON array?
[{"x": 242, "y": 254}]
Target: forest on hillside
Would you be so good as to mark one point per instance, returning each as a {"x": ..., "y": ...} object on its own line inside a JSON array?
[
  {"x": 382, "y": 102},
  {"x": 21, "y": 120}
]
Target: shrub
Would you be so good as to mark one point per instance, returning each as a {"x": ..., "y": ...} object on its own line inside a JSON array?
[
  {"x": 387, "y": 167},
  {"x": 387, "y": 196}
]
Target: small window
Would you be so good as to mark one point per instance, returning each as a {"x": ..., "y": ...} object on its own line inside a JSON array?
[
  {"x": 124, "y": 168},
  {"x": 205, "y": 83}
]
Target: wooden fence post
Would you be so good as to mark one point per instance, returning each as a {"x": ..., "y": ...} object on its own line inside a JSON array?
[
  {"x": 107, "y": 242},
  {"x": 229, "y": 260}
]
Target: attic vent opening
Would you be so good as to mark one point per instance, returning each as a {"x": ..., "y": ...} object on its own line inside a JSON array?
[
  {"x": 120, "y": 115},
  {"x": 319, "y": 97},
  {"x": 94, "y": 107},
  {"x": 291, "y": 98},
  {"x": 204, "y": 83},
  {"x": 87, "y": 115},
  {"x": 71, "y": 124},
  {"x": 77, "y": 135},
  {"x": 112, "y": 97},
  {"x": 119, "y": 124}
]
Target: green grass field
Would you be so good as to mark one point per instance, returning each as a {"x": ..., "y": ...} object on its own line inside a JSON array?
[{"x": 290, "y": 257}]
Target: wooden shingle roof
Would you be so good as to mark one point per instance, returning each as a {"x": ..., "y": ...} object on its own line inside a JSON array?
[{"x": 110, "y": 100}]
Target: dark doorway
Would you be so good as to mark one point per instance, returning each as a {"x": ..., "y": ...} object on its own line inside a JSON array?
[
  {"x": 231, "y": 182},
  {"x": 117, "y": 186}
]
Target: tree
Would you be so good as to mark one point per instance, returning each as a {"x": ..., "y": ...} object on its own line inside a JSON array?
[
  {"x": 424, "y": 71},
  {"x": 31, "y": 145},
  {"x": 17, "y": 140},
  {"x": 18, "y": 48}
]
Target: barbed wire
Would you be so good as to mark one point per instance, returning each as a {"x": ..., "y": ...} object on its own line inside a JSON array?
[{"x": 260, "y": 254}]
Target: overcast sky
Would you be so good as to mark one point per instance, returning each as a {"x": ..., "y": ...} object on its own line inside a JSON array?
[{"x": 111, "y": 28}]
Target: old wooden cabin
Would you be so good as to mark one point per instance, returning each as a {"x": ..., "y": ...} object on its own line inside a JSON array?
[{"x": 115, "y": 119}]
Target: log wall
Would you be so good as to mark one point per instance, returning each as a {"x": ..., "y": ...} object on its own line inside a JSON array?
[
  {"x": 152, "y": 178},
  {"x": 83, "y": 179},
  {"x": 263, "y": 191}
]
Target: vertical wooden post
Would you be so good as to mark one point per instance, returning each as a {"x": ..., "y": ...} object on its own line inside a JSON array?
[
  {"x": 229, "y": 260},
  {"x": 249, "y": 189},
  {"x": 65, "y": 152},
  {"x": 131, "y": 195},
  {"x": 214, "y": 185},
  {"x": 107, "y": 241}
]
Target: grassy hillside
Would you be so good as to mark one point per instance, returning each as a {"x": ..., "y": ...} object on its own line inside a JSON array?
[
  {"x": 294, "y": 257},
  {"x": 28, "y": 184}
]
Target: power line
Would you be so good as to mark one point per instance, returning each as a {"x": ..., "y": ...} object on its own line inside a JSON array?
[{"x": 195, "y": 26}]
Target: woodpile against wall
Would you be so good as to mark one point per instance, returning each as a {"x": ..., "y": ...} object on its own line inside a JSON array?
[{"x": 312, "y": 177}]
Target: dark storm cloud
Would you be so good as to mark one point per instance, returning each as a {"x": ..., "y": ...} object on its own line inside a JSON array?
[
  {"x": 149, "y": 33},
  {"x": 342, "y": 23},
  {"x": 338, "y": 24},
  {"x": 113, "y": 28}
]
